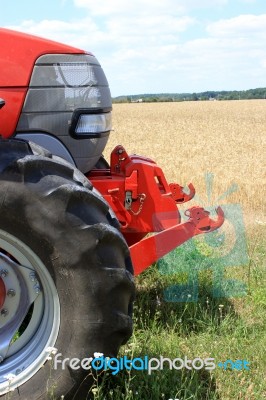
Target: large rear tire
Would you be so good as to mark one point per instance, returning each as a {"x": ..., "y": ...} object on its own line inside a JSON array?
[{"x": 66, "y": 270}]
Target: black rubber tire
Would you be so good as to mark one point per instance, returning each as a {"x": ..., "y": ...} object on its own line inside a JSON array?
[{"x": 51, "y": 207}]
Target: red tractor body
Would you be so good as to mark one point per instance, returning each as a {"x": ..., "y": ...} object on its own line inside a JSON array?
[{"x": 71, "y": 225}]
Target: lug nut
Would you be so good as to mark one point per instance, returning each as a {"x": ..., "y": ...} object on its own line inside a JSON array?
[
  {"x": 32, "y": 276},
  {"x": 11, "y": 293},
  {"x": 3, "y": 273},
  {"x": 4, "y": 312},
  {"x": 37, "y": 289}
]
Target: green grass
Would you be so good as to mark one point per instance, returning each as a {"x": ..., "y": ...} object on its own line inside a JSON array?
[{"x": 222, "y": 328}]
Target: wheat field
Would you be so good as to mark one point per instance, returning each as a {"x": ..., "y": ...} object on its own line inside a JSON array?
[{"x": 189, "y": 139}]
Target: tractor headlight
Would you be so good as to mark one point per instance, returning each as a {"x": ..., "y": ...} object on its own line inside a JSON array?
[{"x": 90, "y": 124}]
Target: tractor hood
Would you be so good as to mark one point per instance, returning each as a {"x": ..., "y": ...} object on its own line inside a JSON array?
[{"x": 18, "y": 54}]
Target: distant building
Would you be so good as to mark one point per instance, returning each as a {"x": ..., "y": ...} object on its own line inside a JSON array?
[{"x": 137, "y": 101}]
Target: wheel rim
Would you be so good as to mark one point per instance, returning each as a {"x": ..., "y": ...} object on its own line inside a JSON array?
[{"x": 28, "y": 282}]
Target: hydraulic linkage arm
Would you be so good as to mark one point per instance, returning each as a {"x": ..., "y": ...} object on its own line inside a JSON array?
[
  {"x": 143, "y": 201},
  {"x": 155, "y": 247}
]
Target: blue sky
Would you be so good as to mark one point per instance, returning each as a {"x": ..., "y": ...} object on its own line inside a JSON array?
[{"x": 156, "y": 46}]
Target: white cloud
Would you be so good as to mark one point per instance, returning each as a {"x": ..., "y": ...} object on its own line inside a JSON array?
[
  {"x": 242, "y": 25},
  {"x": 143, "y": 45},
  {"x": 145, "y": 32},
  {"x": 139, "y": 7},
  {"x": 145, "y": 7}
]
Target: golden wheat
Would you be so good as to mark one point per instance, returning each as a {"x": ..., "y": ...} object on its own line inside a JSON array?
[{"x": 188, "y": 139}]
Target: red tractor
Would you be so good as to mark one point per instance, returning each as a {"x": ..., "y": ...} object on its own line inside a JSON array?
[{"x": 73, "y": 229}]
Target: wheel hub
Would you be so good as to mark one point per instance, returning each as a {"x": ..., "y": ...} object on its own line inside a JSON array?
[
  {"x": 2, "y": 293},
  {"x": 29, "y": 313}
]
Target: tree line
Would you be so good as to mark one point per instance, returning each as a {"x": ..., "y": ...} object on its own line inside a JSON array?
[{"x": 259, "y": 93}]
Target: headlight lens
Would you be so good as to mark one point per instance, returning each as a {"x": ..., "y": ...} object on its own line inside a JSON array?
[{"x": 93, "y": 124}]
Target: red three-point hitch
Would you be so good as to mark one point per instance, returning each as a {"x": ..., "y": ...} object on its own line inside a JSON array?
[{"x": 143, "y": 201}]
